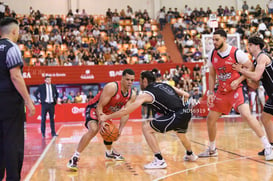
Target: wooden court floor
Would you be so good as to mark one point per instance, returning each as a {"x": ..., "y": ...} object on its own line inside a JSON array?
[{"x": 46, "y": 159}]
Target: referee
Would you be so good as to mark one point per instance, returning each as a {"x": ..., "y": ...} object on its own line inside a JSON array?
[{"x": 13, "y": 96}]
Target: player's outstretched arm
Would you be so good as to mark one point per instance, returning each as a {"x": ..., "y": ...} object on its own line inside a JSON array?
[
  {"x": 140, "y": 99},
  {"x": 124, "y": 119}
]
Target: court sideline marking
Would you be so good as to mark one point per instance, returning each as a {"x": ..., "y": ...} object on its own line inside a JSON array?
[
  {"x": 35, "y": 166},
  {"x": 205, "y": 165},
  {"x": 200, "y": 166}
]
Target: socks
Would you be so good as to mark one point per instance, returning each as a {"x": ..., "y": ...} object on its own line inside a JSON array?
[
  {"x": 76, "y": 154},
  {"x": 212, "y": 145},
  {"x": 159, "y": 156},
  {"x": 265, "y": 142}
]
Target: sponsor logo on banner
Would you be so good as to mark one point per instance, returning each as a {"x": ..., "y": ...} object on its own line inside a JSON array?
[
  {"x": 113, "y": 73},
  {"x": 26, "y": 75},
  {"x": 54, "y": 74},
  {"x": 77, "y": 110},
  {"x": 87, "y": 75}
]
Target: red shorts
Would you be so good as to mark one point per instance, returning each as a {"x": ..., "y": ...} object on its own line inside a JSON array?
[{"x": 224, "y": 102}]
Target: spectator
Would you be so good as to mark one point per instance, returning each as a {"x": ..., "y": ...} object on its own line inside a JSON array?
[
  {"x": 90, "y": 95},
  {"x": 270, "y": 6},
  {"x": 84, "y": 97},
  {"x": 78, "y": 98},
  {"x": 245, "y": 6},
  {"x": 70, "y": 97},
  {"x": 162, "y": 19}
]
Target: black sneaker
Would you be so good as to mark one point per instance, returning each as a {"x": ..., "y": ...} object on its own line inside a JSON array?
[
  {"x": 114, "y": 155},
  {"x": 261, "y": 153},
  {"x": 72, "y": 164}
]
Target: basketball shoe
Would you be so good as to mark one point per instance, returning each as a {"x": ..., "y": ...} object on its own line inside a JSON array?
[
  {"x": 209, "y": 153},
  {"x": 268, "y": 153},
  {"x": 72, "y": 164},
  {"x": 191, "y": 157},
  {"x": 114, "y": 155},
  {"x": 156, "y": 163},
  {"x": 261, "y": 153}
]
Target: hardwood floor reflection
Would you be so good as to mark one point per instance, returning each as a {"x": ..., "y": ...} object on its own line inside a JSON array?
[{"x": 237, "y": 147}]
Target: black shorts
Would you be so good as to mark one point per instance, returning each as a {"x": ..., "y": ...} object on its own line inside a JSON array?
[
  {"x": 177, "y": 121},
  {"x": 268, "y": 107},
  {"x": 90, "y": 114}
]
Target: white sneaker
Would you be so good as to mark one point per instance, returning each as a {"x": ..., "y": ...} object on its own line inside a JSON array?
[
  {"x": 191, "y": 157},
  {"x": 209, "y": 153},
  {"x": 156, "y": 163},
  {"x": 268, "y": 154}
]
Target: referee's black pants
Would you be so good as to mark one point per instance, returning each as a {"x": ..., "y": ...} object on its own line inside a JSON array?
[{"x": 12, "y": 115}]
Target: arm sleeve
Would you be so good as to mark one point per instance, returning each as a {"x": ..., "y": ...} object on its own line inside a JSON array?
[{"x": 241, "y": 57}]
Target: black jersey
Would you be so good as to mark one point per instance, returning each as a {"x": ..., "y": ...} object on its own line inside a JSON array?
[
  {"x": 267, "y": 77},
  {"x": 165, "y": 99}
]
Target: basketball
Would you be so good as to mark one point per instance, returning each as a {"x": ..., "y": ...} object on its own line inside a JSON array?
[{"x": 110, "y": 133}]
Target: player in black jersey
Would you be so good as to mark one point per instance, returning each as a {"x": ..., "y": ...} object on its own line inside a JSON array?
[
  {"x": 264, "y": 72},
  {"x": 172, "y": 113}
]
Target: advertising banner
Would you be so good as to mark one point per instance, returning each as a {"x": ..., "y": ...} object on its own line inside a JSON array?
[
  {"x": 70, "y": 113},
  {"x": 34, "y": 75}
]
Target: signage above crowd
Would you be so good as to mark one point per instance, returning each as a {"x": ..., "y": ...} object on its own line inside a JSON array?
[{"x": 89, "y": 74}]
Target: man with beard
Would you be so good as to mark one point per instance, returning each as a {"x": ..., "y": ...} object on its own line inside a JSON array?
[{"x": 232, "y": 91}]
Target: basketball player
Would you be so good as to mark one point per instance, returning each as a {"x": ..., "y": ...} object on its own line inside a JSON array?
[
  {"x": 231, "y": 92},
  {"x": 172, "y": 113},
  {"x": 264, "y": 72},
  {"x": 113, "y": 97}
]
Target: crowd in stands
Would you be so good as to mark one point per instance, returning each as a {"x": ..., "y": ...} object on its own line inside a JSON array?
[
  {"x": 189, "y": 27},
  {"x": 78, "y": 38}
]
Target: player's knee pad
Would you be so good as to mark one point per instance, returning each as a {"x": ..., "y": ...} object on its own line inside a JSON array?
[{"x": 107, "y": 143}]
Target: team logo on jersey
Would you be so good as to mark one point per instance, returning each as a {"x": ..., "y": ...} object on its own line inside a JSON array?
[
  {"x": 223, "y": 75},
  {"x": 236, "y": 95},
  {"x": 117, "y": 96},
  {"x": 229, "y": 61},
  {"x": 215, "y": 60},
  {"x": 116, "y": 107}
]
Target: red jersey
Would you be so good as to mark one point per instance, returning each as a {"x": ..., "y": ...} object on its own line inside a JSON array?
[
  {"x": 116, "y": 102},
  {"x": 224, "y": 71}
]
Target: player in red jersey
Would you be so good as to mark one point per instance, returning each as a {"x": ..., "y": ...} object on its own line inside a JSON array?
[
  {"x": 231, "y": 92},
  {"x": 112, "y": 98}
]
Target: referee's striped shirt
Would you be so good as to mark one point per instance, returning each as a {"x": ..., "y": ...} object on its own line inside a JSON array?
[{"x": 10, "y": 57}]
